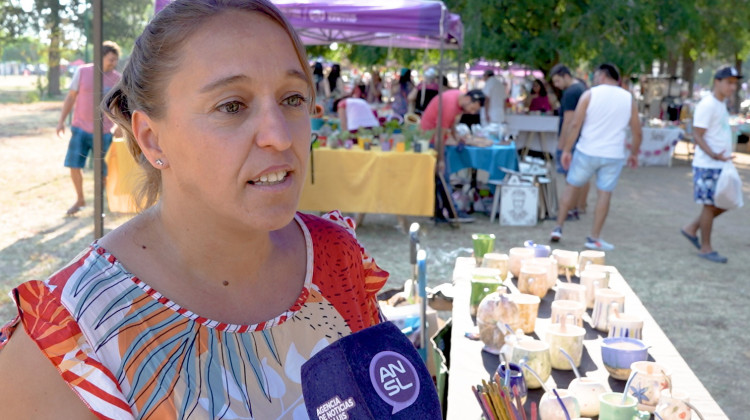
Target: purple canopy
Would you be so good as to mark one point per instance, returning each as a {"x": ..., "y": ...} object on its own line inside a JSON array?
[{"x": 383, "y": 23}]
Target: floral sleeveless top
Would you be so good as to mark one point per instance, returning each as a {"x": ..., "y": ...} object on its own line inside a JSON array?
[{"x": 129, "y": 352}]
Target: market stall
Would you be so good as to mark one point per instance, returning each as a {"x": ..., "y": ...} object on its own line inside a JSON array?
[
  {"x": 370, "y": 181},
  {"x": 469, "y": 364}
]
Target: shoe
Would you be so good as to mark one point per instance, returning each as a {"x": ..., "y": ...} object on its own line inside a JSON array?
[
  {"x": 714, "y": 257},
  {"x": 556, "y": 234},
  {"x": 572, "y": 215},
  {"x": 598, "y": 244},
  {"x": 693, "y": 239}
]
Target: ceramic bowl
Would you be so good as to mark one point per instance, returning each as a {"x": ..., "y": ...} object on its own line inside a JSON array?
[{"x": 618, "y": 353}]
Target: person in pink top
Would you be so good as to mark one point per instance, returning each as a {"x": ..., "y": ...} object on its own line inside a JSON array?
[
  {"x": 80, "y": 100},
  {"x": 455, "y": 104}
]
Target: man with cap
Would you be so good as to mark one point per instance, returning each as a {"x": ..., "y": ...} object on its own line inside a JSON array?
[
  {"x": 602, "y": 117},
  {"x": 713, "y": 136}
]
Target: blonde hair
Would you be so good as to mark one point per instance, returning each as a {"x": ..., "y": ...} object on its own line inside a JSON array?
[{"x": 157, "y": 55}]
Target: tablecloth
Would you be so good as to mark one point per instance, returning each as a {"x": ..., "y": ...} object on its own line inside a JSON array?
[
  {"x": 373, "y": 181},
  {"x": 123, "y": 174},
  {"x": 657, "y": 146},
  {"x": 489, "y": 159}
]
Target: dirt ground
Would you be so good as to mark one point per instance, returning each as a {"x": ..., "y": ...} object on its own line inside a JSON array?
[{"x": 701, "y": 306}]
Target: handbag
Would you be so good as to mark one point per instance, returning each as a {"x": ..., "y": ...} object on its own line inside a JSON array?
[{"x": 728, "y": 193}]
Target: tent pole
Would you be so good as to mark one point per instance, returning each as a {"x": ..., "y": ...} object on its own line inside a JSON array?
[
  {"x": 439, "y": 133},
  {"x": 98, "y": 156}
]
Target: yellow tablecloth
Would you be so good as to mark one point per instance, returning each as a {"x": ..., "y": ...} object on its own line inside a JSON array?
[
  {"x": 359, "y": 181},
  {"x": 123, "y": 174}
]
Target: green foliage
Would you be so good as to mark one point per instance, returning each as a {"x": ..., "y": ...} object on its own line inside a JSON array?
[{"x": 628, "y": 33}]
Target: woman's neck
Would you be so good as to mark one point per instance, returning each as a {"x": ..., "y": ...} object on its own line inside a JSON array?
[{"x": 205, "y": 249}]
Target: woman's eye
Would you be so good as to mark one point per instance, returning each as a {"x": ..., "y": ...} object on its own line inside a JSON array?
[
  {"x": 232, "y": 107},
  {"x": 296, "y": 100}
]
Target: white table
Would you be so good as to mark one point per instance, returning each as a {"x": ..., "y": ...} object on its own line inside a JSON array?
[
  {"x": 469, "y": 364},
  {"x": 658, "y": 145},
  {"x": 537, "y": 132}
]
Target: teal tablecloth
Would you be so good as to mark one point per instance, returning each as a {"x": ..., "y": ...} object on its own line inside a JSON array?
[{"x": 489, "y": 159}]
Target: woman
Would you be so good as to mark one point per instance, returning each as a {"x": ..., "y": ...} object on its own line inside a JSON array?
[
  {"x": 538, "y": 100},
  {"x": 205, "y": 304},
  {"x": 334, "y": 88},
  {"x": 318, "y": 79},
  {"x": 400, "y": 93}
]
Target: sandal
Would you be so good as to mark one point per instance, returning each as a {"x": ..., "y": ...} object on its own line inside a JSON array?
[
  {"x": 714, "y": 257},
  {"x": 693, "y": 239},
  {"x": 74, "y": 209}
]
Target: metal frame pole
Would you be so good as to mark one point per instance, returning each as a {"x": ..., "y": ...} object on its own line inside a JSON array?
[{"x": 97, "y": 152}]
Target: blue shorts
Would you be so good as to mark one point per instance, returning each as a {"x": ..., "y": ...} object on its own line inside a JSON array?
[
  {"x": 583, "y": 167},
  {"x": 81, "y": 143},
  {"x": 704, "y": 184}
]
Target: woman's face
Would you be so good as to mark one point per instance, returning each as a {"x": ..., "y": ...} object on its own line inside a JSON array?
[{"x": 236, "y": 132}]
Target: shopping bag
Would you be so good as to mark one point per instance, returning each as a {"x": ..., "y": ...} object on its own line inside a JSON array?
[{"x": 728, "y": 193}]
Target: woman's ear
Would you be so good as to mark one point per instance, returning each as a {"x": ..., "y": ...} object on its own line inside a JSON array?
[{"x": 147, "y": 137}]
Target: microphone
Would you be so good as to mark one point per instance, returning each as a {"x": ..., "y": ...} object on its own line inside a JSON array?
[{"x": 373, "y": 374}]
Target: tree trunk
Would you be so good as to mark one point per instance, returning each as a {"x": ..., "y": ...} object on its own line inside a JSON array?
[
  {"x": 672, "y": 64},
  {"x": 53, "y": 58},
  {"x": 688, "y": 70}
]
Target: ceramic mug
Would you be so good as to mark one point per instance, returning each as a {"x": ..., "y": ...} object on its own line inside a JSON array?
[
  {"x": 571, "y": 310},
  {"x": 483, "y": 244},
  {"x": 516, "y": 379},
  {"x": 516, "y": 255},
  {"x": 528, "y": 308},
  {"x": 626, "y": 325},
  {"x": 593, "y": 280},
  {"x": 536, "y": 355},
  {"x": 496, "y": 261},
  {"x": 649, "y": 380},
  {"x": 587, "y": 392},
  {"x": 675, "y": 405},
  {"x": 548, "y": 264},
  {"x": 483, "y": 282},
  {"x": 532, "y": 279},
  {"x": 590, "y": 256},
  {"x": 568, "y": 338},
  {"x": 607, "y": 302},
  {"x": 611, "y": 407},
  {"x": 571, "y": 291},
  {"x": 565, "y": 259},
  {"x": 607, "y": 269},
  {"x": 550, "y": 408}
]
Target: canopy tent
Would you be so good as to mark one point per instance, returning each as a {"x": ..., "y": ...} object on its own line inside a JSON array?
[{"x": 384, "y": 23}]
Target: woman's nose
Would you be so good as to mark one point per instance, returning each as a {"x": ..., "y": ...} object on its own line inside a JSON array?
[{"x": 272, "y": 127}]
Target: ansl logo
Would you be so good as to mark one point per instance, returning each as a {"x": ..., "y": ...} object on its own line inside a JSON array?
[{"x": 394, "y": 379}]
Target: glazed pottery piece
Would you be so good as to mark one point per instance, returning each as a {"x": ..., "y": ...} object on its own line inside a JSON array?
[
  {"x": 618, "y": 354},
  {"x": 607, "y": 302},
  {"x": 536, "y": 353}
]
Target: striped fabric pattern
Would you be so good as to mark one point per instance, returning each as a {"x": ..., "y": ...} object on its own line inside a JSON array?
[{"x": 130, "y": 352}]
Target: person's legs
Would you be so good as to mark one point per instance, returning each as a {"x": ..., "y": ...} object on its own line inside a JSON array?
[
  {"x": 607, "y": 175},
  {"x": 75, "y": 159},
  {"x": 600, "y": 212},
  {"x": 583, "y": 195},
  {"x": 580, "y": 171},
  {"x": 76, "y": 174},
  {"x": 708, "y": 214}
]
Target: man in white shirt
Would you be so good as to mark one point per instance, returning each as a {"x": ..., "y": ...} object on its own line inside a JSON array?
[
  {"x": 713, "y": 136},
  {"x": 494, "y": 92},
  {"x": 601, "y": 117}
]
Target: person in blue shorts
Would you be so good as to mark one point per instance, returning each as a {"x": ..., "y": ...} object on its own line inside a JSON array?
[
  {"x": 601, "y": 118},
  {"x": 713, "y": 138}
]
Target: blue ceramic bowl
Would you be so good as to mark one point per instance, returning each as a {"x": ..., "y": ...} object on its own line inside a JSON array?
[{"x": 618, "y": 353}]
